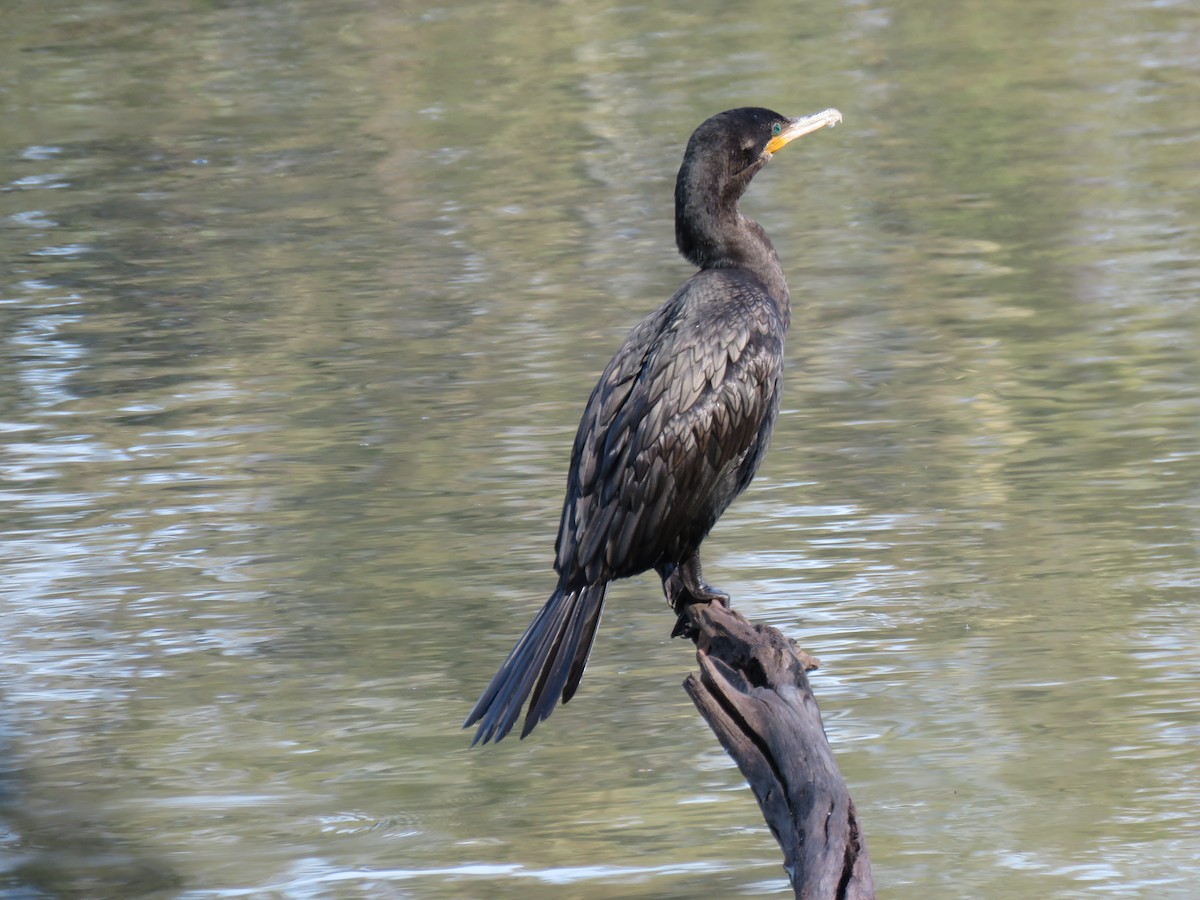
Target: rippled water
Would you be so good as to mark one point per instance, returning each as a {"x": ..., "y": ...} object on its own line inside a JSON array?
[{"x": 299, "y": 304}]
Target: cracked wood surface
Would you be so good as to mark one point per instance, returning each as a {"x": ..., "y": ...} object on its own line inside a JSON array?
[{"x": 754, "y": 694}]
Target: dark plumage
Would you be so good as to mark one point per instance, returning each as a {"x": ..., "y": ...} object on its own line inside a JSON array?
[{"x": 677, "y": 425}]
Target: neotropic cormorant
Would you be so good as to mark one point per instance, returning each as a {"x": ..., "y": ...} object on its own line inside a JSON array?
[{"x": 677, "y": 425}]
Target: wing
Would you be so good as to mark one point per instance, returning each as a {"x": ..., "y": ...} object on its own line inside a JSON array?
[{"x": 674, "y": 430}]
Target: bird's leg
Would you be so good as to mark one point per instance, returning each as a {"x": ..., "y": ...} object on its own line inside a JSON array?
[
  {"x": 670, "y": 582},
  {"x": 702, "y": 592},
  {"x": 677, "y": 597},
  {"x": 683, "y": 584}
]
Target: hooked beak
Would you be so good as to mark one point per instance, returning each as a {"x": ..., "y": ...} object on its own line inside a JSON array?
[{"x": 802, "y": 126}]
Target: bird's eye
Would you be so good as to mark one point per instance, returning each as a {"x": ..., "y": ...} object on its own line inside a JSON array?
[{"x": 776, "y": 128}]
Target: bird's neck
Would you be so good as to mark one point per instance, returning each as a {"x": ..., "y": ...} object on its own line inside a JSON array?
[{"x": 726, "y": 239}]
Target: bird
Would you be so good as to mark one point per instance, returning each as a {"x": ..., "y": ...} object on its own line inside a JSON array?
[{"x": 675, "y": 428}]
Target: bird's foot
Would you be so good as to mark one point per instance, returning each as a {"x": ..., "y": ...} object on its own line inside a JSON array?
[
  {"x": 703, "y": 593},
  {"x": 699, "y": 590},
  {"x": 683, "y": 586},
  {"x": 706, "y": 593}
]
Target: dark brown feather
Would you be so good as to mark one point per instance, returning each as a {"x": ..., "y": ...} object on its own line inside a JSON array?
[{"x": 673, "y": 431}]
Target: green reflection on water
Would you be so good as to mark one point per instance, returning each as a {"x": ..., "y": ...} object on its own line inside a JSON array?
[{"x": 299, "y": 308}]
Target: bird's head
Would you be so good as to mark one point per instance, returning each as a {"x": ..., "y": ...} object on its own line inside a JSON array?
[
  {"x": 732, "y": 145},
  {"x": 723, "y": 155}
]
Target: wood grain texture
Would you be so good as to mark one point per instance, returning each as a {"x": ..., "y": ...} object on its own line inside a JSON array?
[{"x": 754, "y": 693}]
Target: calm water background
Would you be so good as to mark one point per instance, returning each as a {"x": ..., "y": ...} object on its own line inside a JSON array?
[{"x": 300, "y": 302}]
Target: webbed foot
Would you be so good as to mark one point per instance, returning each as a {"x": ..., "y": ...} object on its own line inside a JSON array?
[{"x": 684, "y": 584}]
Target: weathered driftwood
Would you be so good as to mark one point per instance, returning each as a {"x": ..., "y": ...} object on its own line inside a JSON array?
[{"x": 753, "y": 692}]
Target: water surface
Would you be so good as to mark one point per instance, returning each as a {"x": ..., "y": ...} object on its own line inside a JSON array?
[{"x": 299, "y": 304}]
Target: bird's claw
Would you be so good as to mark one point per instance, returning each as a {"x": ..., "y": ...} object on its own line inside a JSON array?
[
  {"x": 684, "y": 628},
  {"x": 681, "y": 595}
]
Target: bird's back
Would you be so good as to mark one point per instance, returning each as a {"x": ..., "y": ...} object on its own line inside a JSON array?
[{"x": 675, "y": 428}]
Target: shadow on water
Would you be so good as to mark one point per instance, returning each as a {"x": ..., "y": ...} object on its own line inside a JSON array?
[{"x": 56, "y": 845}]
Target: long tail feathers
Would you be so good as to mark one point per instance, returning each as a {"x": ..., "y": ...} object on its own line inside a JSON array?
[{"x": 553, "y": 650}]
